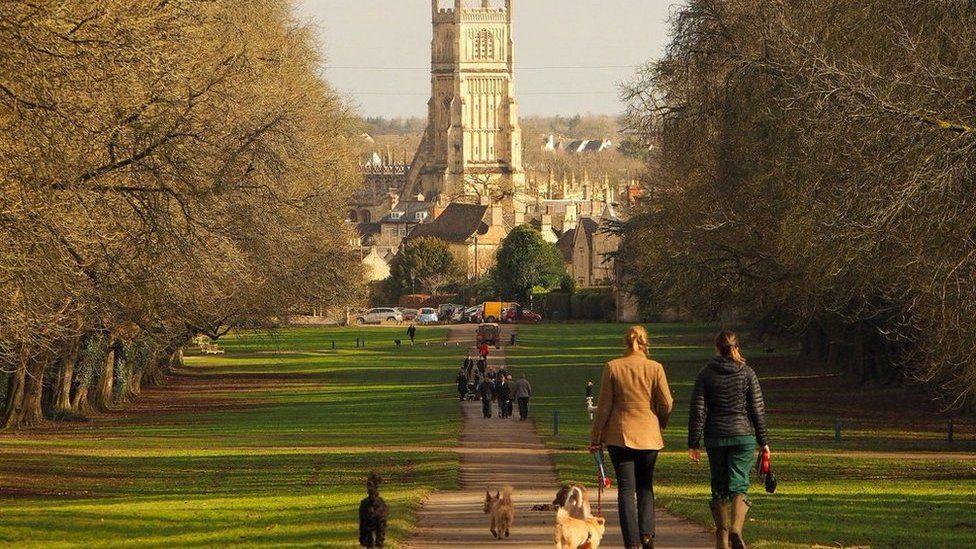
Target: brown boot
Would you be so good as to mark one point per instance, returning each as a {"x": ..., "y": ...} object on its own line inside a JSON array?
[
  {"x": 740, "y": 508},
  {"x": 720, "y": 512}
]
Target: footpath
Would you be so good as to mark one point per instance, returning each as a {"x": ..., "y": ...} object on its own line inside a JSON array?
[{"x": 506, "y": 452}]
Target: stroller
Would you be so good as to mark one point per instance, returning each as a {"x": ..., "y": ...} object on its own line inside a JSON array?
[{"x": 470, "y": 394}]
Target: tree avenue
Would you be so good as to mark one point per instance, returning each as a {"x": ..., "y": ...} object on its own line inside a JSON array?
[
  {"x": 813, "y": 170},
  {"x": 168, "y": 169}
]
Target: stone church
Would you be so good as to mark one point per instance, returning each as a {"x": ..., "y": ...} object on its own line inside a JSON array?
[
  {"x": 466, "y": 183},
  {"x": 472, "y": 147}
]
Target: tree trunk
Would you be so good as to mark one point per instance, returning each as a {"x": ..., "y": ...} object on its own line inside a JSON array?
[
  {"x": 62, "y": 389},
  {"x": 13, "y": 410},
  {"x": 32, "y": 413},
  {"x": 134, "y": 387},
  {"x": 101, "y": 393},
  {"x": 80, "y": 403}
]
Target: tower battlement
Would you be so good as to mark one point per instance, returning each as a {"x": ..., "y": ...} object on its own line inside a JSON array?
[{"x": 486, "y": 12}]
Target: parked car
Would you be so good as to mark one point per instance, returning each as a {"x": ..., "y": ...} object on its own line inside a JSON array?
[
  {"x": 446, "y": 310},
  {"x": 427, "y": 316},
  {"x": 459, "y": 315},
  {"x": 489, "y": 333},
  {"x": 409, "y": 314},
  {"x": 473, "y": 314},
  {"x": 379, "y": 315},
  {"x": 512, "y": 315}
]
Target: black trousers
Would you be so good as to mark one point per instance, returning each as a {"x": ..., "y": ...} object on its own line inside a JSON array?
[
  {"x": 523, "y": 403},
  {"x": 486, "y": 406},
  {"x": 635, "y": 491}
]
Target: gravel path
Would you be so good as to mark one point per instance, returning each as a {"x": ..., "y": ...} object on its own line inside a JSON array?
[{"x": 496, "y": 453}]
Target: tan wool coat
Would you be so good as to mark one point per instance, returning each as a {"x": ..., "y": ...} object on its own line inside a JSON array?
[{"x": 635, "y": 404}]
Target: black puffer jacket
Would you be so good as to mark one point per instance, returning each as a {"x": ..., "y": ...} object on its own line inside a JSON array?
[{"x": 727, "y": 402}]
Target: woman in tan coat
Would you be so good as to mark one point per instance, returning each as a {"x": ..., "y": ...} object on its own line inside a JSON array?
[{"x": 634, "y": 407}]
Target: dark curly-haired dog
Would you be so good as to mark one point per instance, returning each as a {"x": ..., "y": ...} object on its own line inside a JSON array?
[{"x": 373, "y": 514}]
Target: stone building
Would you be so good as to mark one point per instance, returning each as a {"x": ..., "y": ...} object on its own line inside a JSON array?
[
  {"x": 585, "y": 250},
  {"x": 473, "y": 137},
  {"x": 473, "y": 231},
  {"x": 395, "y": 220}
]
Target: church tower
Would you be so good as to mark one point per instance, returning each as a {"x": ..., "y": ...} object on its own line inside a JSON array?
[{"x": 473, "y": 137}]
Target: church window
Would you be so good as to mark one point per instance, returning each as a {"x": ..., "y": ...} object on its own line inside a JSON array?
[{"x": 484, "y": 45}]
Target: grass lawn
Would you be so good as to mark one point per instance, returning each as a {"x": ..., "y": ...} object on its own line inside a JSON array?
[
  {"x": 877, "y": 487},
  {"x": 268, "y": 444}
]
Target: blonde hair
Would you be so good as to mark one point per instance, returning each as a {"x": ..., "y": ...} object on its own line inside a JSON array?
[
  {"x": 727, "y": 344},
  {"x": 637, "y": 337}
]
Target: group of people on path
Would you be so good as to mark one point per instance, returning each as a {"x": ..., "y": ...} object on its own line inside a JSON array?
[
  {"x": 488, "y": 385},
  {"x": 727, "y": 412}
]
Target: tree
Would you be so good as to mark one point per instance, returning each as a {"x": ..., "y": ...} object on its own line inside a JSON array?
[
  {"x": 424, "y": 264},
  {"x": 164, "y": 173},
  {"x": 814, "y": 172},
  {"x": 526, "y": 260}
]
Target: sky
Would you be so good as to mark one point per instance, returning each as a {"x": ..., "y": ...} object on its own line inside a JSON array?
[{"x": 363, "y": 39}]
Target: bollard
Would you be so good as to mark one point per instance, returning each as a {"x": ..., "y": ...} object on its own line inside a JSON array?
[
  {"x": 949, "y": 431},
  {"x": 357, "y": 342},
  {"x": 333, "y": 345},
  {"x": 512, "y": 340},
  {"x": 837, "y": 427},
  {"x": 555, "y": 422}
]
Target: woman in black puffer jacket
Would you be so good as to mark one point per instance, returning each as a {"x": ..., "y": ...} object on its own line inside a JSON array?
[{"x": 728, "y": 411}]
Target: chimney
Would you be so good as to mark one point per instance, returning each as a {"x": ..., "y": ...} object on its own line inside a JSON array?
[
  {"x": 439, "y": 206},
  {"x": 546, "y": 223},
  {"x": 393, "y": 199},
  {"x": 519, "y": 217}
]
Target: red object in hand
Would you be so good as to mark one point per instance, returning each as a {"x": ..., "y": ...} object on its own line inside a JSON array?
[
  {"x": 764, "y": 465},
  {"x": 606, "y": 482}
]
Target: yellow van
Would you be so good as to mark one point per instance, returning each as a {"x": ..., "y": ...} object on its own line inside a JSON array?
[{"x": 492, "y": 311}]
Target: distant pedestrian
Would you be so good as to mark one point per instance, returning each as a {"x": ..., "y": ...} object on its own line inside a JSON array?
[
  {"x": 482, "y": 365},
  {"x": 462, "y": 384},
  {"x": 502, "y": 394},
  {"x": 412, "y": 332},
  {"x": 523, "y": 390},
  {"x": 728, "y": 411},
  {"x": 483, "y": 351},
  {"x": 509, "y": 403},
  {"x": 484, "y": 391},
  {"x": 468, "y": 365}
]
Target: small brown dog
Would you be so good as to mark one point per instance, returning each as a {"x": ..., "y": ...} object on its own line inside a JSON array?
[
  {"x": 501, "y": 510},
  {"x": 572, "y": 533},
  {"x": 575, "y": 499}
]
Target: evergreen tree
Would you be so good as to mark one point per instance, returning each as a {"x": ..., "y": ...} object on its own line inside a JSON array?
[{"x": 526, "y": 260}]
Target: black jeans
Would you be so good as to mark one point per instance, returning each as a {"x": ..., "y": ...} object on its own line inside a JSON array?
[
  {"x": 635, "y": 491},
  {"x": 523, "y": 403}
]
